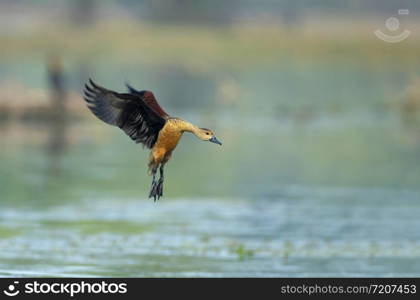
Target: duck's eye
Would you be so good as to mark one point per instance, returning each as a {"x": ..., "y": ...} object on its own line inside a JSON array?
[{"x": 207, "y": 133}]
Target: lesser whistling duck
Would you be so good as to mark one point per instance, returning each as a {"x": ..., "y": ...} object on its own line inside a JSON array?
[{"x": 140, "y": 116}]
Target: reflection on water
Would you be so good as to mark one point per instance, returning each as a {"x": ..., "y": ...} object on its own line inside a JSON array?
[{"x": 57, "y": 143}]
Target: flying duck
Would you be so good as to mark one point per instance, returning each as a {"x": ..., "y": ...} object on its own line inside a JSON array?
[{"x": 141, "y": 117}]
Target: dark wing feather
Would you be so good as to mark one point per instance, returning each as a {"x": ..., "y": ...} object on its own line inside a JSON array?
[
  {"x": 127, "y": 111},
  {"x": 149, "y": 99}
]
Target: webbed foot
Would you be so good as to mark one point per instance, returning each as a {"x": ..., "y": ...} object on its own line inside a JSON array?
[{"x": 156, "y": 190}]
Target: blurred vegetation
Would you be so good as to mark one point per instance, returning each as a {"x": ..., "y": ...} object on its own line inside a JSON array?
[{"x": 240, "y": 46}]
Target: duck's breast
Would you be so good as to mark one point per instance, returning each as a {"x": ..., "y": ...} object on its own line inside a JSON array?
[{"x": 169, "y": 137}]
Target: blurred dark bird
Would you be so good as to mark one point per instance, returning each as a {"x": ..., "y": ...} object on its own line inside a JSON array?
[
  {"x": 56, "y": 81},
  {"x": 140, "y": 116}
]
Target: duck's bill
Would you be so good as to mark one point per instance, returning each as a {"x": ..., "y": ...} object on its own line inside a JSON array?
[{"x": 215, "y": 140}]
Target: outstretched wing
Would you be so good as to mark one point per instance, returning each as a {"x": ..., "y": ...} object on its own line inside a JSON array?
[
  {"x": 149, "y": 99},
  {"x": 130, "y": 112}
]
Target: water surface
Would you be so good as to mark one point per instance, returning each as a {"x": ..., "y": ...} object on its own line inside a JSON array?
[{"x": 322, "y": 181}]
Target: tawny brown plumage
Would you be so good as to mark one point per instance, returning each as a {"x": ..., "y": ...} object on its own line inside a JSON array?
[{"x": 140, "y": 116}]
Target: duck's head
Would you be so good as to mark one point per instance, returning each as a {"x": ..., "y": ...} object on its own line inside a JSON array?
[{"x": 208, "y": 135}]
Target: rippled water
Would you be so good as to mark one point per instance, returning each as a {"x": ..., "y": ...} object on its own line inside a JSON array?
[{"x": 296, "y": 234}]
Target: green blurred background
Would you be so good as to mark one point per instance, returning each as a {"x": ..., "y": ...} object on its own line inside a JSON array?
[{"x": 318, "y": 174}]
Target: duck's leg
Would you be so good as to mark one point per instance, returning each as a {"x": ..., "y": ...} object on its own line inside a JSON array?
[
  {"x": 160, "y": 182},
  {"x": 153, "y": 188},
  {"x": 158, "y": 158}
]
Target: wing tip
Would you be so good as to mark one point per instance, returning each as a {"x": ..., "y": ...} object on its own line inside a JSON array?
[
  {"x": 88, "y": 93},
  {"x": 131, "y": 89},
  {"x": 91, "y": 90},
  {"x": 91, "y": 82}
]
